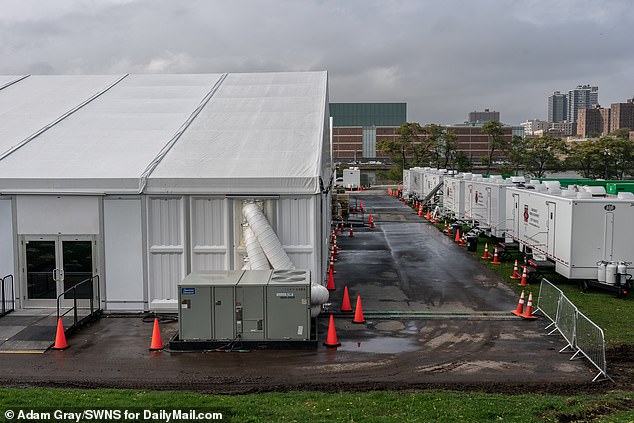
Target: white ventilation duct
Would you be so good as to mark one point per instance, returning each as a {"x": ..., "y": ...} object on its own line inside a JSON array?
[
  {"x": 257, "y": 258},
  {"x": 267, "y": 238}
]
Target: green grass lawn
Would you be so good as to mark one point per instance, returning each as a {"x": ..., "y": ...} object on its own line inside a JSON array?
[{"x": 341, "y": 407}]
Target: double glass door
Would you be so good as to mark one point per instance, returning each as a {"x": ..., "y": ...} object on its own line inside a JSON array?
[{"x": 55, "y": 263}]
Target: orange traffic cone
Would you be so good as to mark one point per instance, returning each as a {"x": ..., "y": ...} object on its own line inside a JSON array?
[
  {"x": 428, "y": 215},
  {"x": 361, "y": 206},
  {"x": 372, "y": 225},
  {"x": 157, "y": 342},
  {"x": 463, "y": 241},
  {"x": 331, "y": 279},
  {"x": 420, "y": 210},
  {"x": 524, "y": 280},
  {"x": 495, "y": 257},
  {"x": 351, "y": 234},
  {"x": 515, "y": 275},
  {"x": 457, "y": 238},
  {"x": 528, "y": 313},
  {"x": 60, "y": 336},
  {"x": 358, "y": 312},
  {"x": 486, "y": 255},
  {"x": 520, "y": 306},
  {"x": 445, "y": 228},
  {"x": 331, "y": 339},
  {"x": 370, "y": 218},
  {"x": 345, "y": 304}
]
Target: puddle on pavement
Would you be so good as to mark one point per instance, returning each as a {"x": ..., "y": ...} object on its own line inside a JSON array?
[{"x": 381, "y": 345}]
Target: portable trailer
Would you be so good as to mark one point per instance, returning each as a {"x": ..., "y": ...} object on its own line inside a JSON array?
[
  {"x": 454, "y": 194},
  {"x": 407, "y": 186},
  {"x": 351, "y": 178},
  {"x": 576, "y": 230},
  {"x": 417, "y": 175},
  {"x": 488, "y": 204}
]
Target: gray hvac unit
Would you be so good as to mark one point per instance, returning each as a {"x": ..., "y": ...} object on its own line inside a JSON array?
[{"x": 250, "y": 305}]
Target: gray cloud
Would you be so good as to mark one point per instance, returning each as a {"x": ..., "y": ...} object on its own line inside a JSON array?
[{"x": 443, "y": 58}]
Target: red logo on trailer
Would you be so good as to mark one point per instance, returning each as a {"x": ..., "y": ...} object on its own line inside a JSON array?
[{"x": 525, "y": 213}]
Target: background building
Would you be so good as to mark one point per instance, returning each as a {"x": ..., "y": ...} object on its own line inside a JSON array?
[
  {"x": 531, "y": 126},
  {"x": 558, "y": 107},
  {"x": 357, "y": 126},
  {"x": 474, "y": 143},
  {"x": 482, "y": 117},
  {"x": 582, "y": 97},
  {"x": 593, "y": 122},
  {"x": 622, "y": 115}
]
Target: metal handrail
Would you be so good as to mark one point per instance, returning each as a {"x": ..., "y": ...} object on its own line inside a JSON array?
[
  {"x": 4, "y": 302},
  {"x": 73, "y": 288}
]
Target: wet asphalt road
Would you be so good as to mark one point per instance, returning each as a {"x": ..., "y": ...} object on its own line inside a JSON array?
[
  {"x": 402, "y": 265},
  {"x": 406, "y": 264}
]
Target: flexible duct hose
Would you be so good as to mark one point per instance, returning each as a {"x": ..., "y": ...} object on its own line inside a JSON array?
[
  {"x": 257, "y": 258},
  {"x": 267, "y": 238}
]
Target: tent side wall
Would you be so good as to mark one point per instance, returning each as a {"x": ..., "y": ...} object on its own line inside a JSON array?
[
  {"x": 204, "y": 233},
  {"x": 7, "y": 262},
  {"x": 124, "y": 269}
]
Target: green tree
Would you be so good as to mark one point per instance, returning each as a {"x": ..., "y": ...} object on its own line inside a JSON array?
[
  {"x": 618, "y": 156},
  {"x": 433, "y": 143},
  {"x": 543, "y": 154},
  {"x": 607, "y": 157},
  {"x": 497, "y": 142},
  {"x": 404, "y": 146},
  {"x": 623, "y": 133},
  {"x": 583, "y": 157},
  {"x": 516, "y": 153},
  {"x": 449, "y": 145},
  {"x": 463, "y": 164}
]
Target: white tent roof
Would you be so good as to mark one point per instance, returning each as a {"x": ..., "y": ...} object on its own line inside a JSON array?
[{"x": 229, "y": 133}]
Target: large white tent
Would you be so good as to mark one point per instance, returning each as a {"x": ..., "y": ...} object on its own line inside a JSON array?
[{"x": 153, "y": 171}]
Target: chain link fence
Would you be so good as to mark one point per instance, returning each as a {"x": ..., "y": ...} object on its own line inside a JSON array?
[{"x": 581, "y": 334}]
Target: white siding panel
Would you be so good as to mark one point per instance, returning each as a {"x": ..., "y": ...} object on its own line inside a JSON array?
[
  {"x": 48, "y": 214},
  {"x": 166, "y": 250},
  {"x": 6, "y": 246},
  {"x": 123, "y": 242},
  {"x": 296, "y": 230},
  {"x": 209, "y": 233}
]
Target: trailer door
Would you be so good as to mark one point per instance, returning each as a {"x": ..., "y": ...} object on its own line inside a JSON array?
[
  {"x": 608, "y": 241},
  {"x": 516, "y": 215},
  {"x": 550, "y": 228}
]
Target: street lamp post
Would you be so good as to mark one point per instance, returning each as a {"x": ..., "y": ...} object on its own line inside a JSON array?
[{"x": 606, "y": 154}]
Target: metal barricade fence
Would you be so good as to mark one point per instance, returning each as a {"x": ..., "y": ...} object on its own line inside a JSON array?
[
  {"x": 567, "y": 321},
  {"x": 548, "y": 301},
  {"x": 590, "y": 342},
  {"x": 581, "y": 334}
]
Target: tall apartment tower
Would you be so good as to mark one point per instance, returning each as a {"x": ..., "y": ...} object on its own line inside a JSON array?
[
  {"x": 558, "y": 107},
  {"x": 481, "y": 117},
  {"x": 582, "y": 97}
]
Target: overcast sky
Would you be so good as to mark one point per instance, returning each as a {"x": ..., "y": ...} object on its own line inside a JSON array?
[{"x": 444, "y": 57}]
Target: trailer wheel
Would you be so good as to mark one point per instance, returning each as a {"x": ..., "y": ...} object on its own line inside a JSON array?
[{"x": 583, "y": 285}]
